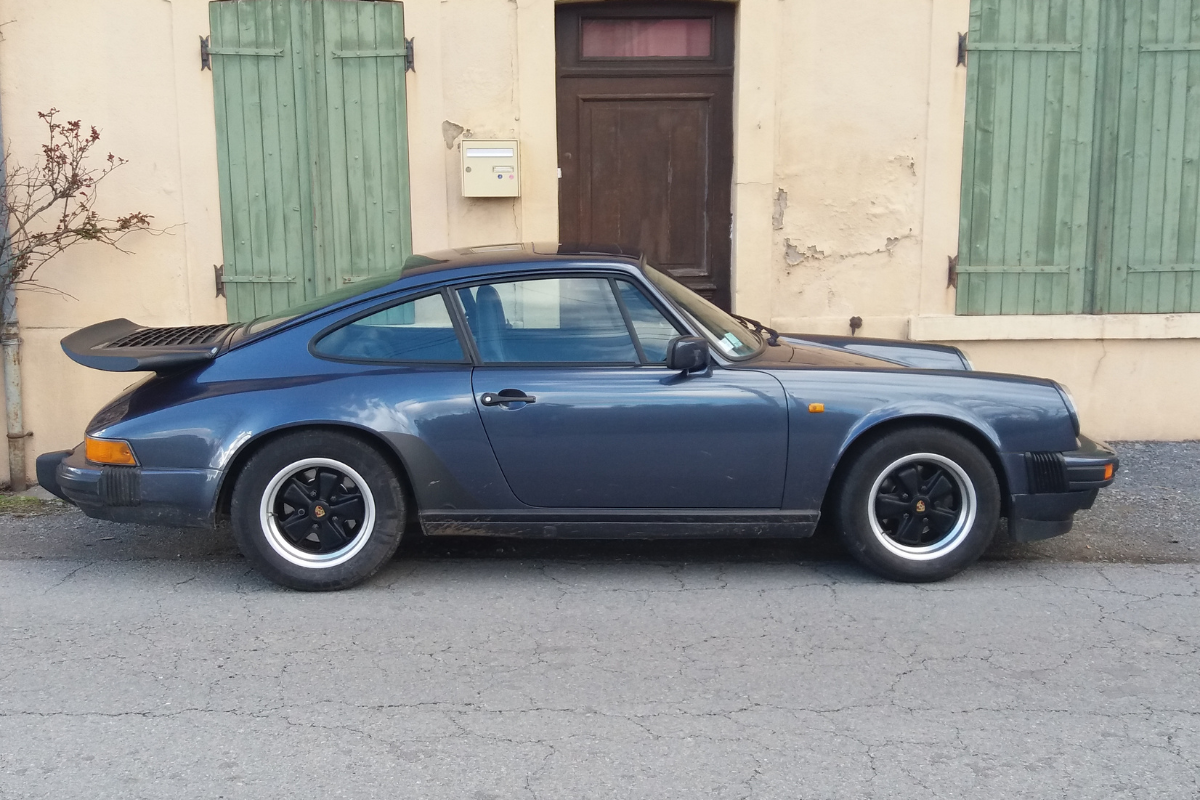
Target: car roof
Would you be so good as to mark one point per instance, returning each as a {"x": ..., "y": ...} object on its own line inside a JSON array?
[
  {"x": 515, "y": 256},
  {"x": 468, "y": 263}
]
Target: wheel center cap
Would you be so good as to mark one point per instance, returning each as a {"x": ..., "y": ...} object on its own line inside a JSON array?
[
  {"x": 920, "y": 506},
  {"x": 319, "y": 511}
]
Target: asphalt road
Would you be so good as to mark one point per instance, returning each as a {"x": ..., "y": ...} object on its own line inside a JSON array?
[{"x": 153, "y": 663}]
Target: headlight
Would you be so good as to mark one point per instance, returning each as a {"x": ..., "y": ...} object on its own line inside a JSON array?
[{"x": 1065, "y": 393}]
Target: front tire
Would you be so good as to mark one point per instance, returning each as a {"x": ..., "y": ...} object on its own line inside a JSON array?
[
  {"x": 318, "y": 511},
  {"x": 919, "y": 504}
]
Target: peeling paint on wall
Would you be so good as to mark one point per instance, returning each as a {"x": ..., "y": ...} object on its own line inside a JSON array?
[
  {"x": 780, "y": 208},
  {"x": 794, "y": 256},
  {"x": 451, "y": 131},
  {"x": 907, "y": 162}
]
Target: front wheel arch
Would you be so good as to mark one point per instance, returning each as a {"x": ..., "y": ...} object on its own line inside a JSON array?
[
  {"x": 869, "y": 436},
  {"x": 898, "y": 511},
  {"x": 247, "y": 451}
]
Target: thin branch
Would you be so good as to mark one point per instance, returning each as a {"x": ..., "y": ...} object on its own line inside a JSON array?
[{"x": 62, "y": 178}]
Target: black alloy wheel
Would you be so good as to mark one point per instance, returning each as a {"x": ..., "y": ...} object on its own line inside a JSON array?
[
  {"x": 320, "y": 510},
  {"x": 919, "y": 503},
  {"x": 916, "y": 504}
]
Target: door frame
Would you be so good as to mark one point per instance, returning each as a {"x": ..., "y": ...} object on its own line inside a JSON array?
[{"x": 569, "y": 64}]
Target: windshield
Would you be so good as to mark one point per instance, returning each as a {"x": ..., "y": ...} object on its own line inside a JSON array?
[
  {"x": 325, "y": 300},
  {"x": 726, "y": 333}
]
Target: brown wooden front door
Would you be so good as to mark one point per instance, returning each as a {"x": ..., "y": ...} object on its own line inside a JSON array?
[{"x": 645, "y": 134}]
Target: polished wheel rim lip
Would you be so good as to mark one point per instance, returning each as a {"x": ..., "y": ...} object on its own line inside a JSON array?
[
  {"x": 278, "y": 539},
  {"x": 968, "y": 507}
]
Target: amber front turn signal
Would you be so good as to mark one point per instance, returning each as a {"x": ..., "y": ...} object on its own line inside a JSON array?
[
  {"x": 1108, "y": 471},
  {"x": 105, "y": 451}
]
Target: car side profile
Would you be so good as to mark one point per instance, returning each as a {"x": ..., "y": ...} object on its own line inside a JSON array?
[{"x": 545, "y": 391}]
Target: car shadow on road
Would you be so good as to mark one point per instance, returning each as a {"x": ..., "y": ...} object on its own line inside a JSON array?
[{"x": 816, "y": 548}]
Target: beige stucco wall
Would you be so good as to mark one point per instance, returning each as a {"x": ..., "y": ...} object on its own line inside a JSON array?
[{"x": 853, "y": 109}]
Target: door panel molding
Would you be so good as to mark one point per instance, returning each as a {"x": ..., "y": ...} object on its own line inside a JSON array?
[{"x": 594, "y": 523}]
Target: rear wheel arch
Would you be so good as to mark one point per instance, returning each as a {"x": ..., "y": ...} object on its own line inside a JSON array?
[
  {"x": 255, "y": 444},
  {"x": 879, "y": 430}
]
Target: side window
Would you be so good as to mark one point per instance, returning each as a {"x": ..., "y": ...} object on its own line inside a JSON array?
[
  {"x": 551, "y": 320},
  {"x": 653, "y": 330},
  {"x": 419, "y": 330}
]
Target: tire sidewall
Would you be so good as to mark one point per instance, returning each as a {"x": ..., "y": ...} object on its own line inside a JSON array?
[
  {"x": 853, "y": 508},
  {"x": 258, "y": 472}
]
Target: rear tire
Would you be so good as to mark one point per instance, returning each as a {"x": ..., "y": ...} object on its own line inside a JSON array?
[
  {"x": 919, "y": 504},
  {"x": 317, "y": 511}
]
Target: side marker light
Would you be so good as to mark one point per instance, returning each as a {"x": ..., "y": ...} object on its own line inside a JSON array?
[{"x": 816, "y": 408}]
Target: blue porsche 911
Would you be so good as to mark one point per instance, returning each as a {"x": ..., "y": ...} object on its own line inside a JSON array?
[{"x": 544, "y": 392}]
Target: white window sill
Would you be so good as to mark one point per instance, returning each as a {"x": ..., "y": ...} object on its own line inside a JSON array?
[{"x": 1054, "y": 326}]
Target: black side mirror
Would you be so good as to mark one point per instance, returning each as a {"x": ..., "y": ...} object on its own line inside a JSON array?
[{"x": 687, "y": 354}]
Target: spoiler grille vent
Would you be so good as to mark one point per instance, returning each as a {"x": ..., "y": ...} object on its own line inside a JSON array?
[
  {"x": 160, "y": 337},
  {"x": 1047, "y": 472}
]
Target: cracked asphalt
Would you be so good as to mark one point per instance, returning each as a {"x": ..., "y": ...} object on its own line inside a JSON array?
[{"x": 152, "y": 663}]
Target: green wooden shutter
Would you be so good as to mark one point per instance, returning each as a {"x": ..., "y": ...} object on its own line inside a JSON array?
[
  {"x": 312, "y": 146},
  {"x": 1027, "y": 156},
  {"x": 1148, "y": 245},
  {"x": 1051, "y": 223}
]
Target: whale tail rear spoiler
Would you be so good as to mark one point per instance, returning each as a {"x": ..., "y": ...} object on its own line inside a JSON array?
[{"x": 119, "y": 345}]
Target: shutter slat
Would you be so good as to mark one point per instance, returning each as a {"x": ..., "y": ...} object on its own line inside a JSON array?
[
  {"x": 224, "y": 191},
  {"x": 258, "y": 198},
  {"x": 1042, "y": 300},
  {"x": 1188, "y": 248}
]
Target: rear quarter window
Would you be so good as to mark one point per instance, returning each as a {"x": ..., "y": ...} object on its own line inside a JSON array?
[{"x": 417, "y": 330}]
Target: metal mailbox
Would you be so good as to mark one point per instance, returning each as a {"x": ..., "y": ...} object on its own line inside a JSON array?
[{"x": 491, "y": 168}]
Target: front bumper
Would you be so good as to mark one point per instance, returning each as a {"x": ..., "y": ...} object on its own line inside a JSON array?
[
  {"x": 1059, "y": 484},
  {"x": 130, "y": 494}
]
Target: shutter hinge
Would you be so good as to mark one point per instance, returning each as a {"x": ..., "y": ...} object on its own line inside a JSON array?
[
  {"x": 410, "y": 63},
  {"x": 962, "y": 50},
  {"x": 205, "y": 55},
  {"x": 952, "y": 273},
  {"x": 219, "y": 274}
]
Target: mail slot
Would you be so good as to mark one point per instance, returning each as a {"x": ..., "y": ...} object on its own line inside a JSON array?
[{"x": 490, "y": 168}]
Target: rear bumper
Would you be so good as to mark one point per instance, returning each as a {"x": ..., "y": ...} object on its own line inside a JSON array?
[
  {"x": 1043, "y": 514},
  {"x": 130, "y": 494}
]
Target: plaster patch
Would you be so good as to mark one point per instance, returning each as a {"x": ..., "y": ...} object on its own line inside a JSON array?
[
  {"x": 907, "y": 162},
  {"x": 780, "y": 208},
  {"x": 450, "y": 132}
]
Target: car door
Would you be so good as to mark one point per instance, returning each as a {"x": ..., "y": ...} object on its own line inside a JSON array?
[{"x": 581, "y": 411}]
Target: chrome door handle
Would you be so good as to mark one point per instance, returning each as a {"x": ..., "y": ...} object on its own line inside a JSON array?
[{"x": 506, "y": 396}]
